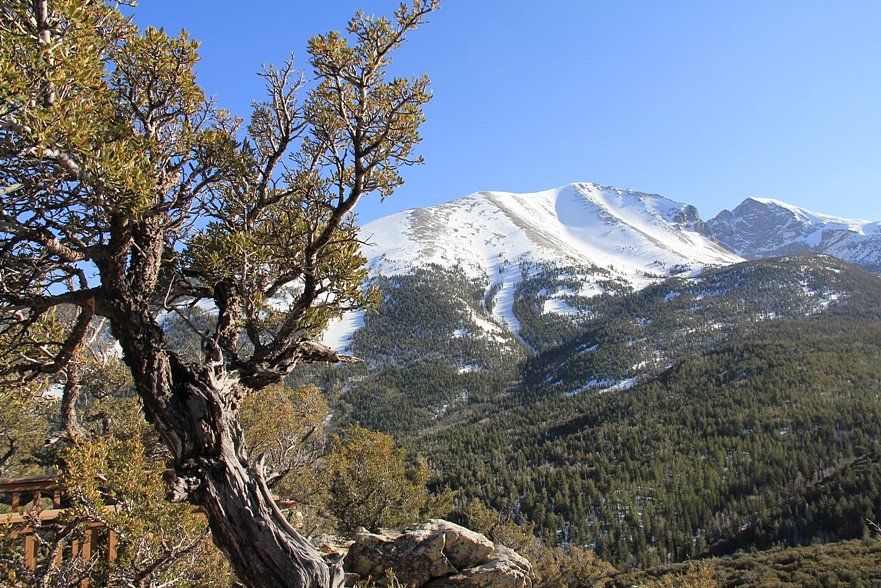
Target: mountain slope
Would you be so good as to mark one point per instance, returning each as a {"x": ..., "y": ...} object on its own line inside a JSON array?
[
  {"x": 605, "y": 239},
  {"x": 760, "y": 228},
  {"x": 585, "y": 240},
  {"x": 732, "y": 445},
  {"x": 628, "y": 232},
  {"x": 588, "y": 359},
  {"x": 632, "y": 337}
]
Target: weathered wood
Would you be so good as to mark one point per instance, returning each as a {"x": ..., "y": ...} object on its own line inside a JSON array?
[
  {"x": 30, "y": 551},
  {"x": 28, "y": 484},
  {"x": 86, "y": 553},
  {"x": 49, "y": 514},
  {"x": 76, "y": 548},
  {"x": 195, "y": 412},
  {"x": 36, "y": 487},
  {"x": 111, "y": 546},
  {"x": 16, "y": 518},
  {"x": 59, "y": 556}
]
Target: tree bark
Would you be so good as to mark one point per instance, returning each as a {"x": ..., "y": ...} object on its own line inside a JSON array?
[{"x": 195, "y": 412}]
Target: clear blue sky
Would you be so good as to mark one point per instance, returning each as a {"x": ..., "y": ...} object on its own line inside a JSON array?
[{"x": 703, "y": 101}]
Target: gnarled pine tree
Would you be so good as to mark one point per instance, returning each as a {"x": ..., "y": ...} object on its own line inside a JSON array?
[{"x": 126, "y": 195}]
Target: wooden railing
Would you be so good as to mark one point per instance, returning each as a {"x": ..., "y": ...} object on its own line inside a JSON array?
[{"x": 40, "y": 498}]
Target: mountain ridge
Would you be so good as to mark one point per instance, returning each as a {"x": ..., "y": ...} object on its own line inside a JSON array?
[
  {"x": 607, "y": 237},
  {"x": 762, "y": 227},
  {"x": 581, "y": 223},
  {"x": 640, "y": 236}
]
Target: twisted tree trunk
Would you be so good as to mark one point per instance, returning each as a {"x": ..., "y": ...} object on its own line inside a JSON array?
[{"x": 195, "y": 412}]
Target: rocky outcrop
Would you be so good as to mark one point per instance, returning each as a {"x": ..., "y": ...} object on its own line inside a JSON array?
[
  {"x": 760, "y": 228},
  {"x": 436, "y": 554}
]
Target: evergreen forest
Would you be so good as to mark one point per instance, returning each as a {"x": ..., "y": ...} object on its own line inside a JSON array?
[{"x": 747, "y": 420}]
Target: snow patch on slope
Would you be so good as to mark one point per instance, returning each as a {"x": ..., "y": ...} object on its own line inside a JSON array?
[
  {"x": 339, "y": 332},
  {"x": 503, "y": 302},
  {"x": 557, "y": 306}
]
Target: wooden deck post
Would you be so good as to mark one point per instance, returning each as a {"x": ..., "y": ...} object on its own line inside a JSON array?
[
  {"x": 86, "y": 553},
  {"x": 111, "y": 546},
  {"x": 30, "y": 552}
]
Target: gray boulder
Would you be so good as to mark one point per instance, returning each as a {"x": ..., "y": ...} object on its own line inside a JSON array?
[{"x": 436, "y": 554}]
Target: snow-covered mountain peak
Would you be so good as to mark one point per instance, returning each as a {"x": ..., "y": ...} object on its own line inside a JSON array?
[
  {"x": 603, "y": 239},
  {"x": 601, "y": 234},
  {"x": 628, "y": 232}
]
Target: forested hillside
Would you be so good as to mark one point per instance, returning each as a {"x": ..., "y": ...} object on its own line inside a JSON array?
[
  {"x": 429, "y": 351},
  {"x": 702, "y": 416}
]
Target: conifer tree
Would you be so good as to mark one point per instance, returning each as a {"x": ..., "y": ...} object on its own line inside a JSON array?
[{"x": 127, "y": 195}]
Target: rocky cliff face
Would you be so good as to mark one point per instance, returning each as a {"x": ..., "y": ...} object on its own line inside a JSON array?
[{"x": 759, "y": 228}]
